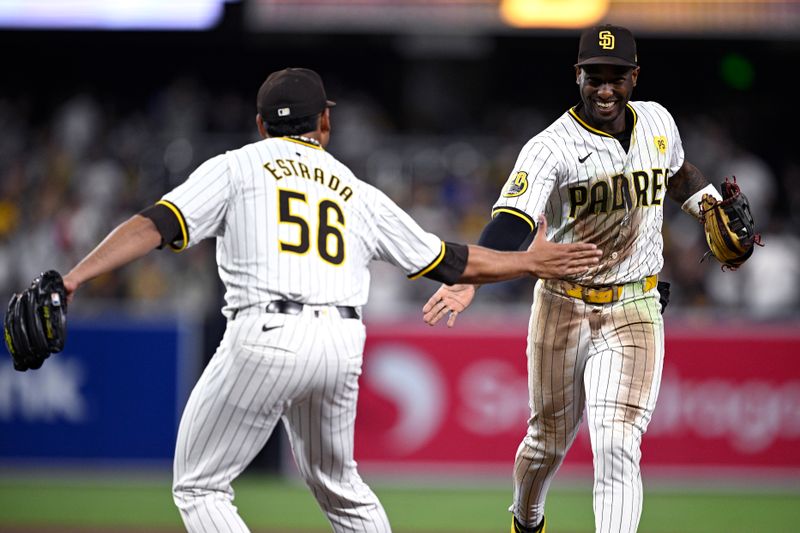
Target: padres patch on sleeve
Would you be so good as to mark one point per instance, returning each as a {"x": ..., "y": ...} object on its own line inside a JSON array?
[
  {"x": 517, "y": 185},
  {"x": 661, "y": 143}
]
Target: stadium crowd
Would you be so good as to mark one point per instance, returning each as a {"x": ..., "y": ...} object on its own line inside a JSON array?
[{"x": 68, "y": 176}]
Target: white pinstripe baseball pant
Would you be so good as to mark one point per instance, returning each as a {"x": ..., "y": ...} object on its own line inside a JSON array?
[
  {"x": 305, "y": 371},
  {"x": 609, "y": 359}
]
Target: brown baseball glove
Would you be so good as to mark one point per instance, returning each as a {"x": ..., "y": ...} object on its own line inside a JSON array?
[{"x": 729, "y": 226}]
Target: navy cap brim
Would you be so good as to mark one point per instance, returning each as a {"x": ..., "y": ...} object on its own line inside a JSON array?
[{"x": 606, "y": 60}]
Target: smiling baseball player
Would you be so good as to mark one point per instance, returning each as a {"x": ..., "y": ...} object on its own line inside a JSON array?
[
  {"x": 295, "y": 231},
  {"x": 600, "y": 173}
]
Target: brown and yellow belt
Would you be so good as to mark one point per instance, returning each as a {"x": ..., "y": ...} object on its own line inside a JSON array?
[{"x": 606, "y": 294}]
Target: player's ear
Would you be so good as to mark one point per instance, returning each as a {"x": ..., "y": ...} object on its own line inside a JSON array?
[
  {"x": 635, "y": 75},
  {"x": 325, "y": 121},
  {"x": 578, "y": 75},
  {"x": 262, "y": 127},
  {"x": 324, "y": 127}
]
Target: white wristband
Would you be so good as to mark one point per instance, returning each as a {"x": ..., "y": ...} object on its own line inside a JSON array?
[{"x": 692, "y": 205}]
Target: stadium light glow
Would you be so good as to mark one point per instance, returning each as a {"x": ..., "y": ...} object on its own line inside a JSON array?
[
  {"x": 553, "y": 13},
  {"x": 111, "y": 15}
]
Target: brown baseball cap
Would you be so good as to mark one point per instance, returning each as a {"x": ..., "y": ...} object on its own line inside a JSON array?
[
  {"x": 292, "y": 93},
  {"x": 607, "y": 45}
]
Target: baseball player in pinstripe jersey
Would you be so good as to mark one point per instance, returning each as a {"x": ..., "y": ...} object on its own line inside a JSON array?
[
  {"x": 295, "y": 232},
  {"x": 600, "y": 174}
]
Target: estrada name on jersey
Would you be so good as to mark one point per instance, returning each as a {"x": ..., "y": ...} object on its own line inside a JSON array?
[
  {"x": 592, "y": 190},
  {"x": 290, "y": 167}
]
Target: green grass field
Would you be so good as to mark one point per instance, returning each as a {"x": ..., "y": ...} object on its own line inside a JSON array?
[{"x": 267, "y": 504}]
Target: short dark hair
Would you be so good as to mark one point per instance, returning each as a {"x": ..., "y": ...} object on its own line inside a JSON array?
[{"x": 296, "y": 126}]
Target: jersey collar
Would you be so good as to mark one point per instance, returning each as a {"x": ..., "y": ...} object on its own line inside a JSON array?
[
  {"x": 305, "y": 141},
  {"x": 574, "y": 114}
]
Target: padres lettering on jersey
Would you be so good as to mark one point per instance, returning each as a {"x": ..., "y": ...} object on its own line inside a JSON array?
[
  {"x": 294, "y": 223},
  {"x": 640, "y": 189},
  {"x": 592, "y": 190}
]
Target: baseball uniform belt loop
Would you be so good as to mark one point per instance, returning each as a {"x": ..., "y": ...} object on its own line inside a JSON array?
[
  {"x": 608, "y": 294},
  {"x": 288, "y": 307}
]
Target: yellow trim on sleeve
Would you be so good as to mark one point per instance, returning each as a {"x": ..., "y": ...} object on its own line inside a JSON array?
[
  {"x": 516, "y": 214},
  {"x": 430, "y": 267},
  {"x": 181, "y": 221}
]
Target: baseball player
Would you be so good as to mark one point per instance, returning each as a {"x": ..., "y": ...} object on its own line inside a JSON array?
[
  {"x": 600, "y": 173},
  {"x": 295, "y": 232}
]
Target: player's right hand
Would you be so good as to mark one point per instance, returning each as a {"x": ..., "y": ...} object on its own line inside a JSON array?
[
  {"x": 555, "y": 260},
  {"x": 448, "y": 300}
]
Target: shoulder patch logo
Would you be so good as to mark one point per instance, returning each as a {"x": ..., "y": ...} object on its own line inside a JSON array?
[
  {"x": 661, "y": 143},
  {"x": 517, "y": 185}
]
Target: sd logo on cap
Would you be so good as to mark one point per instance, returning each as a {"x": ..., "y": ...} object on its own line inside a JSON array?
[{"x": 607, "y": 45}]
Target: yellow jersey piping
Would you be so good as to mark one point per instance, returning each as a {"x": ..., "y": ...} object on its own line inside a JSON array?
[
  {"x": 598, "y": 132},
  {"x": 303, "y": 143},
  {"x": 181, "y": 221},
  {"x": 635, "y": 119},
  {"x": 516, "y": 213},
  {"x": 430, "y": 267}
]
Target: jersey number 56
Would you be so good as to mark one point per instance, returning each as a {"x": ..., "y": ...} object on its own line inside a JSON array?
[{"x": 330, "y": 241}]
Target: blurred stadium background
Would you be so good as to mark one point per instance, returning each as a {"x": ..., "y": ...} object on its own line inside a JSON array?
[{"x": 104, "y": 106}]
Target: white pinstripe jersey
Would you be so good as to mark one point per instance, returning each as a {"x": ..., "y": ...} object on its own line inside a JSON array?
[
  {"x": 292, "y": 222},
  {"x": 591, "y": 190}
]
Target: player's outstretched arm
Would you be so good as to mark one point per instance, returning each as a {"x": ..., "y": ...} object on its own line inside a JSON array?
[
  {"x": 129, "y": 241},
  {"x": 543, "y": 259}
]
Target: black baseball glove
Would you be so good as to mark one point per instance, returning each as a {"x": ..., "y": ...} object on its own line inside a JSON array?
[
  {"x": 36, "y": 321},
  {"x": 729, "y": 227}
]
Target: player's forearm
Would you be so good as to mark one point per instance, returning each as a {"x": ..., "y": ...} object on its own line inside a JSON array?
[
  {"x": 129, "y": 241},
  {"x": 487, "y": 266},
  {"x": 688, "y": 186},
  {"x": 686, "y": 182}
]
